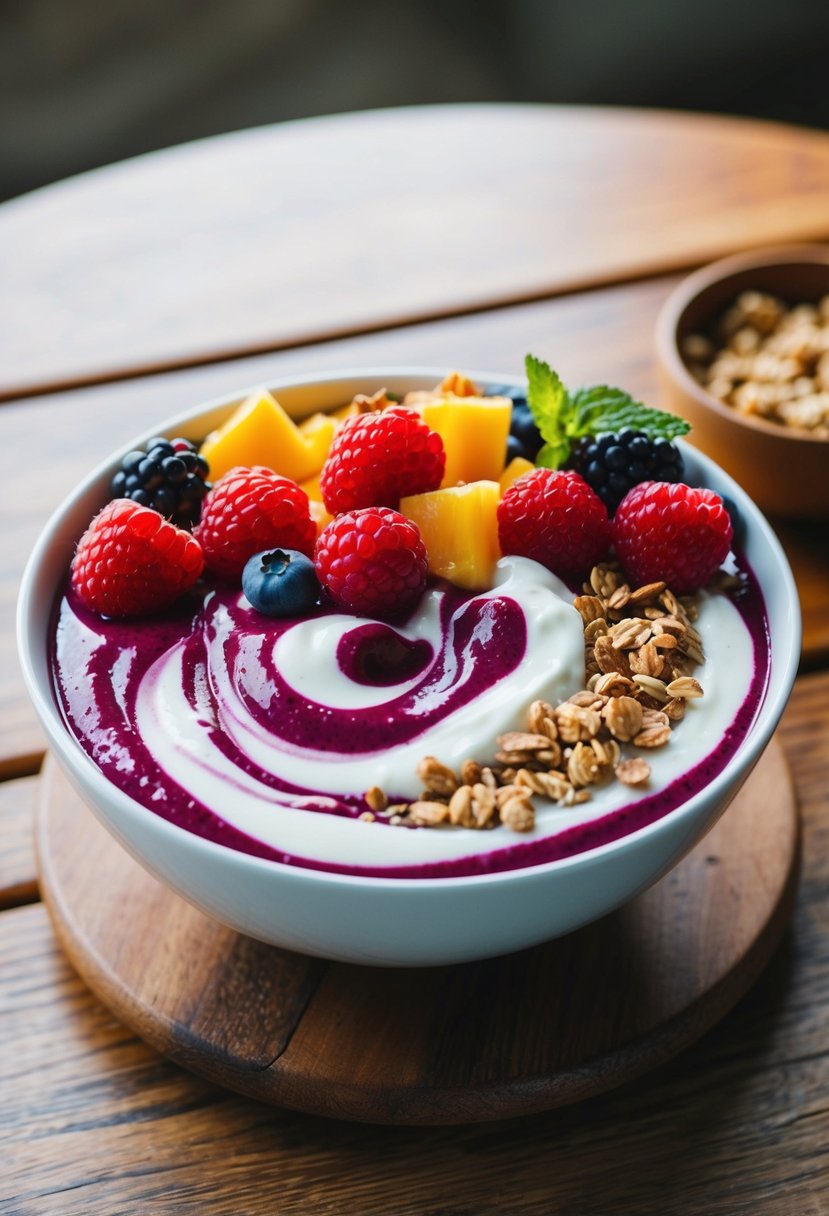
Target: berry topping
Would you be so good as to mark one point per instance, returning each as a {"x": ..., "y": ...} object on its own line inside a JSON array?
[
  {"x": 280, "y": 582},
  {"x": 376, "y": 459},
  {"x": 131, "y": 562},
  {"x": 249, "y": 510},
  {"x": 372, "y": 561},
  {"x": 616, "y": 462},
  {"x": 168, "y": 476},
  {"x": 556, "y": 519},
  {"x": 671, "y": 533}
]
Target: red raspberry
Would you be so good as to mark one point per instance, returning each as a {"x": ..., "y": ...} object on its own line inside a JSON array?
[
  {"x": 555, "y": 518},
  {"x": 131, "y": 561},
  {"x": 671, "y": 532},
  {"x": 372, "y": 561},
  {"x": 377, "y": 459},
  {"x": 249, "y": 510}
]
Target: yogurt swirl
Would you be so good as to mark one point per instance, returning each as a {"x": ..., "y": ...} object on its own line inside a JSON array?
[{"x": 264, "y": 735}]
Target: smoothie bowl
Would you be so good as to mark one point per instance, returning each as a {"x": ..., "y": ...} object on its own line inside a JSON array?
[{"x": 489, "y": 750}]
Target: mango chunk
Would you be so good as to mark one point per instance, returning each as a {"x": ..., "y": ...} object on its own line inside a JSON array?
[
  {"x": 318, "y": 432},
  {"x": 260, "y": 432},
  {"x": 460, "y": 531},
  {"x": 474, "y": 431},
  {"x": 516, "y": 468}
]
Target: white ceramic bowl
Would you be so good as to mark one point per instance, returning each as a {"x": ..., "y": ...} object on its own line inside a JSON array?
[{"x": 404, "y": 922}]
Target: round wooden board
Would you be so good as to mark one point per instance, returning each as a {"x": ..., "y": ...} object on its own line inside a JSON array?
[{"x": 508, "y": 1036}]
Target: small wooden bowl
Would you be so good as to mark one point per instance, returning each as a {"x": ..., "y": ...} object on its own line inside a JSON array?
[{"x": 784, "y": 469}]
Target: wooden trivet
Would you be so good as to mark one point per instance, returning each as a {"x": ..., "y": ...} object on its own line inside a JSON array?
[{"x": 509, "y": 1036}]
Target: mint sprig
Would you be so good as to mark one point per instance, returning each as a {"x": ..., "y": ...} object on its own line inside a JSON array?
[{"x": 564, "y": 416}]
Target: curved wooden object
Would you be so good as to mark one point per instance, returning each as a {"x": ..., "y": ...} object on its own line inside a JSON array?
[
  {"x": 348, "y": 224},
  {"x": 508, "y": 1036}
]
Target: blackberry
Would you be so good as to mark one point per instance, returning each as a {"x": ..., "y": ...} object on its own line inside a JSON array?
[
  {"x": 524, "y": 437},
  {"x": 613, "y": 463},
  {"x": 169, "y": 476}
]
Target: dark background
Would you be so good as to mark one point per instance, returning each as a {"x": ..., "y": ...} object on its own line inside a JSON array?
[{"x": 93, "y": 81}]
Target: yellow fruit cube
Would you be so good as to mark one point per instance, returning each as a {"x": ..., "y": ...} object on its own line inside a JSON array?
[
  {"x": 260, "y": 432},
  {"x": 311, "y": 486},
  {"x": 459, "y": 527},
  {"x": 474, "y": 431},
  {"x": 516, "y": 468},
  {"x": 318, "y": 432}
]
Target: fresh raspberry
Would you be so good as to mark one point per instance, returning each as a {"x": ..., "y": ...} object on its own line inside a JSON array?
[
  {"x": 377, "y": 459},
  {"x": 372, "y": 561},
  {"x": 555, "y": 518},
  {"x": 249, "y": 510},
  {"x": 672, "y": 533},
  {"x": 130, "y": 561}
]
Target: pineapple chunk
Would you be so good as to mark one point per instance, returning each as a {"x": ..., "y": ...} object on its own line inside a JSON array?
[
  {"x": 460, "y": 531},
  {"x": 516, "y": 468},
  {"x": 259, "y": 432},
  {"x": 474, "y": 431}
]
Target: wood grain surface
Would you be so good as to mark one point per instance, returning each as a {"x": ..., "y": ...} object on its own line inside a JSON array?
[
  {"x": 504, "y": 1037},
  {"x": 94, "y": 1122},
  {"x": 18, "y": 879},
  {"x": 231, "y": 245},
  {"x": 591, "y": 337}
]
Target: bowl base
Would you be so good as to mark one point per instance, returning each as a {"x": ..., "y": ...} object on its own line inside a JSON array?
[{"x": 509, "y": 1036}]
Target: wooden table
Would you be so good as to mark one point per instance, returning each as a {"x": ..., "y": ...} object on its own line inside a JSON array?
[{"x": 461, "y": 237}]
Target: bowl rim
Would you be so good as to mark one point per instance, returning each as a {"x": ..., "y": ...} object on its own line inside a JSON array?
[
  {"x": 70, "y": 752},
  {"x": 692, "y": 286}
]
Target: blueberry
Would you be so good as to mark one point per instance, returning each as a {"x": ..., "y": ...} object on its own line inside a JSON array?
[
  {"x": 280, "y": 582},
  {"x": 118, "y": 488}
]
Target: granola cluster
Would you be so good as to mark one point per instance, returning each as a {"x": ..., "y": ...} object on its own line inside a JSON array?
[
  {"x": 769, "y": 360},
  {"x": 640, "y": 650}
]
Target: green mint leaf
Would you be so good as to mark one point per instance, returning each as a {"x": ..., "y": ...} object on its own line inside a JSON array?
[
  {"x": 547, "y": 398},
  {"x": 602, "y": 408},
  {"x": 552, "y": 411}
]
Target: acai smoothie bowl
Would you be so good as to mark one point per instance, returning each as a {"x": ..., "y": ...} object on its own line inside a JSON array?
[{"x": 403, "y": 667}]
